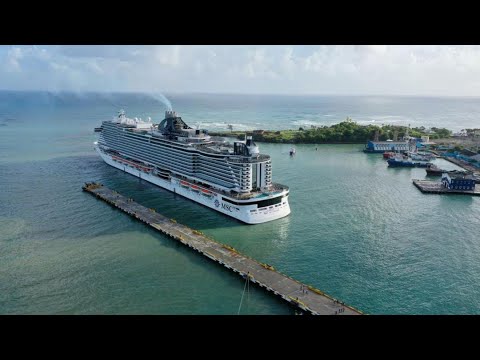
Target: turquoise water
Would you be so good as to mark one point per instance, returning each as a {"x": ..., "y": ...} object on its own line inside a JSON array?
[{"x": 358, "y": 230}]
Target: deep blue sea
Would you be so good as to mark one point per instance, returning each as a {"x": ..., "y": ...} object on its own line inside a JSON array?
[{"x": 358, "y": 230}]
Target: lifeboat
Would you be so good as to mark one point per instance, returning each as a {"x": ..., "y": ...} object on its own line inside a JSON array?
[
  {"x": 131, "y": 163},
  {"x": 207, "y": 192},
  {"x": 184, "y": 183},
  {"x": 194, "y": 187}
]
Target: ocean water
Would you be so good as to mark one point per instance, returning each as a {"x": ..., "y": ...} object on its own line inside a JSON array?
[{"x": 358, "y": 230}]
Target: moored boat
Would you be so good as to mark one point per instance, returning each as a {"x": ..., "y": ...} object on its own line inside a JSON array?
[
  {"x": 434, "y": 170},
  {"x": 395, "y": 162},
  {"x": 400, "y": 161},
  {"x": 388, "y": 154}
]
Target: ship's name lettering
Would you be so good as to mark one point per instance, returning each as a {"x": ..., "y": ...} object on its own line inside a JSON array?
[{"x": 227, "y": 207}]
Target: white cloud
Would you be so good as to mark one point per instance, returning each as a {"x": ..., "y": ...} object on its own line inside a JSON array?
[
  {"x": 168, "y": 55},
  {"x": 14, "y": 55},
  {"x": 364, "y": 69}
]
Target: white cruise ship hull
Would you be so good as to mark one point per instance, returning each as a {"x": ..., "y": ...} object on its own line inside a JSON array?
[{"x": 249, "y": 214}]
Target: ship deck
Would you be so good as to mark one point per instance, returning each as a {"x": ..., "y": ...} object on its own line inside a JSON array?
[
  {"x": 296, "y": 293},
  {"x": 275, "y": 188}
]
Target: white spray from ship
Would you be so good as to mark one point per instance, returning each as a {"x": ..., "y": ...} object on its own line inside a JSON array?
[
  {"x": 118, "y": 101},
  {"x": 161, "y": 98}
]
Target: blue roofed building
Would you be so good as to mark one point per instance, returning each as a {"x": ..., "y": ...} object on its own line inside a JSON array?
[
  {"x": 458, "y": 182},
  {"x": 382, "y": 146}
]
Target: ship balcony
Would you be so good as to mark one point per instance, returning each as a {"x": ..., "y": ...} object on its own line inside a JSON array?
[{"x": 279, "y": 187}]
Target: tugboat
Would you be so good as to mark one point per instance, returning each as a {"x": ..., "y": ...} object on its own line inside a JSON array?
[
  {"x": 434, "y": 170},
  {"x": 398, "y": 161}
]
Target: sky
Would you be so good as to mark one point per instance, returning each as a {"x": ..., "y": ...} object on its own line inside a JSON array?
[{"x": 429, "y": 70}]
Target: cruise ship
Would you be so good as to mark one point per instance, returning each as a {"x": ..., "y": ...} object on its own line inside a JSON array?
[{"x": 234, "y": 179}]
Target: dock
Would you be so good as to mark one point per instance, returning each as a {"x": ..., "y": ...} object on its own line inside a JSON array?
[
  {"x": 462, "y": 164},
  {"x": 300, "y": 295},
  {"x": 435, "y": 187}
]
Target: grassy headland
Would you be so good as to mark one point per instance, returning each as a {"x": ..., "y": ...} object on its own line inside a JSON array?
[{"x": 346, "y": 132}]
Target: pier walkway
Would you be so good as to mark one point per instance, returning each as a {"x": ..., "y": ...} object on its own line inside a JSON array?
[{"x": 305, "y": 297}]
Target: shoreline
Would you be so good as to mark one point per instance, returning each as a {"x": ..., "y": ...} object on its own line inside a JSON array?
[
  {"x": 345, "y": 132},
  {"x": 296, "y": 143},
  {"x": 240, "y": 136}
]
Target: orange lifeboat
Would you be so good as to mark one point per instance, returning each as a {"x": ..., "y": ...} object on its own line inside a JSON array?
[
  {"x": 207, "y": 192},
  {"x": 195, "y": 187}
]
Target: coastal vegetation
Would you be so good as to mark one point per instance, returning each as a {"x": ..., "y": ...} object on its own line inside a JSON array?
[{"x": 347, "y": 131}]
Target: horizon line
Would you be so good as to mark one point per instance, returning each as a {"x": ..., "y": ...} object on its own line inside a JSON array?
[{"x": 146, "y": 92}]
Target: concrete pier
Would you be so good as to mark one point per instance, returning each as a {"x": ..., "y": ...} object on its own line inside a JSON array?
[
  {"x": 435, "y": 187},
  {"x": 303, "y": 296}
]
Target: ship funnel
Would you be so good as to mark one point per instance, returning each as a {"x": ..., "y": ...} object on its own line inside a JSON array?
[
  {"x": 170, "y": 114},
  {"x": 252, "y": 147}
]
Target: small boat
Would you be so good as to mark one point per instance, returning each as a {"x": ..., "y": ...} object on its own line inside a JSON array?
[
  {"x": 184, "y": 183},
  {"x": 421, "y": 156},
  {"x": 292, "y": 151},
  {"x": 400, "y": 162},
  {"x": 388, "y": 154},
  {"x": 396, "y": 162},
  {"x": 194, "y": 187},
  {"x": 434, "y": 170},
  {"x": 422, "y": 164}
]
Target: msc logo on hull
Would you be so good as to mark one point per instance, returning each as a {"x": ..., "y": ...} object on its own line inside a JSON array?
[{"x": 228, "y": 207}]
